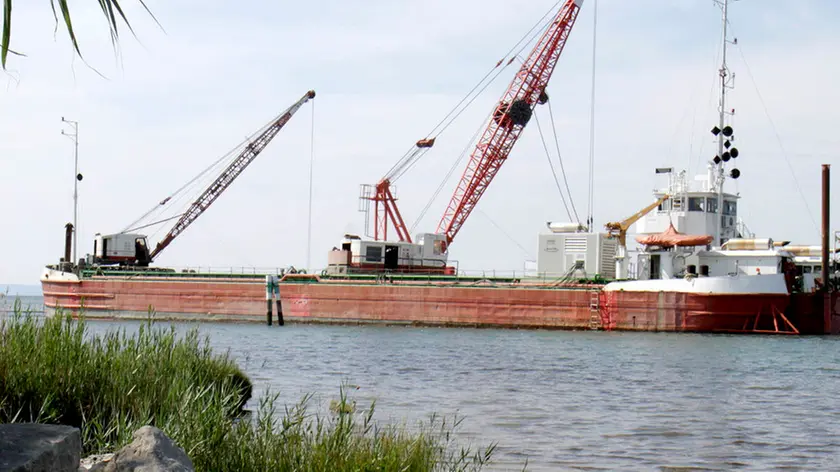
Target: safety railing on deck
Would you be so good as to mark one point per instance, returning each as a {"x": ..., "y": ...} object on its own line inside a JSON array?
[
  {"x": 411, "y": 264},
  {"x": 203, "y": 271},
  {"x": 743, "y": 230},
  {"x": 245, "y": 272}
]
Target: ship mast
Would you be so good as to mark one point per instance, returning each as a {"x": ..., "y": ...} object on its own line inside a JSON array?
[
  {"x": 74, "y": 135},
  {"x": 722, "y": 132}
]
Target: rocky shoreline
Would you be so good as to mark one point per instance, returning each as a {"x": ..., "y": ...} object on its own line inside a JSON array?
[{"x": 32, "y": 447}]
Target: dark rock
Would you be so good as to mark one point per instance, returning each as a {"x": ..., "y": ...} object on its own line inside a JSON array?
[
  {"x": 150, "y": 451},
  {"x": 30, "y": 447}
]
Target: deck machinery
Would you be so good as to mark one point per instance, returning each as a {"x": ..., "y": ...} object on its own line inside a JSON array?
[
  {"x": 128, "y": 248},
  {"x": 428, "y": 253}
]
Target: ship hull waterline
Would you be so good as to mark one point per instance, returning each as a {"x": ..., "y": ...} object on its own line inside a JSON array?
[{"x": 502, "y": 305}]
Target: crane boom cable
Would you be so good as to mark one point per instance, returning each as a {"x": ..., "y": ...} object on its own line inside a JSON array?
[
  {"x": 309, "y": 214},
  {"x": 463, "y": 154},
  {"x": 560, "y": 159},
  {"x": 226, "y": 178},
  {"x": 497, "y": 142},
  {"x": 152, "y": 224},
  {"x": 590, "y": 216},
  {"x": 425, "y": 150},
  {"x": 511, "y": 238},
  {"x": 183, "y": 199},
  {"x": 512, "y": 49},
  {"x": 422, "y": 152},
  {"x": 511, "y": 115},
  {"x": 448, "y": 175},
  {"x": 183, "y": 195},
  {"x": 167, "y": 202},
  {"x": 412, "y": 155},
  {"x": 553, "y": 172},
  {"x": 779, "y": 140},
  {"x": 385, "y": 198}
]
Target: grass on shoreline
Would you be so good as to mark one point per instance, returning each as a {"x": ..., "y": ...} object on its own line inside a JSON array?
[{"x": 53, "y": 371}]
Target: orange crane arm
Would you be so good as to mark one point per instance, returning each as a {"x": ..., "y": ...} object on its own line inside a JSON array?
[
  {"x": 251, "y": 151},
  {"x": 511, "y": 115},
  {"x": 619, "y": 229}
]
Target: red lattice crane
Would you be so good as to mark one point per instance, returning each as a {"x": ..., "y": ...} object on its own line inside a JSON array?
[
  {"x": 248, "y": 154},
  {"x": 512, "y": 113}
]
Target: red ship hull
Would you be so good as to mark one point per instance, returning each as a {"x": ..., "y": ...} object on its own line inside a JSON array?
[
  {"x": 509, "y": 305},
  {"x": 695, "y": 312}
]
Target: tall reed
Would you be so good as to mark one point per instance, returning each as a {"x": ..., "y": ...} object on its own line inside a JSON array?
[{"x": 54, "y": 371}]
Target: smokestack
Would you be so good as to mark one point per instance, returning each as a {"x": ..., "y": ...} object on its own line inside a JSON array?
[
  {"x": 68, "y": 241},
  {"x": 825, "y": 230}
]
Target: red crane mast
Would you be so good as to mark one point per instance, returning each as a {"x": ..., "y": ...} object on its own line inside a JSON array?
[
  {"x": 211, "y": 193},
  {"x": 512, "y": 113}
]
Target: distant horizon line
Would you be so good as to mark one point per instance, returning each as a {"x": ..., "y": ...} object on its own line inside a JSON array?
[{"x": 25, "y": 290}]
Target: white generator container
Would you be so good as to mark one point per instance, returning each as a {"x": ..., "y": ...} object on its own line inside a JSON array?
[
  {"x": 559, "y": 253},
  {"x": 122, "y": 247}
]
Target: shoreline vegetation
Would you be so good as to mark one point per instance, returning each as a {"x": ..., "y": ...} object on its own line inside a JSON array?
[{"x": 52, "y": 370}]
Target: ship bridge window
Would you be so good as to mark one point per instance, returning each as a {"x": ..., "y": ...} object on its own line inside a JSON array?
[
  {"x": 373, "y": 254},
  {"x": 697, "y": 204},
  {"x": 665, "y": 206},
  {"x": 711, "y": 205},
  {"x": 730, "y": 208},
  {"x": 677, "y": 204}
]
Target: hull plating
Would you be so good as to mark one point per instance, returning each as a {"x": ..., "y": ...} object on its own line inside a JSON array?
[{"x": 502, "y": 305}]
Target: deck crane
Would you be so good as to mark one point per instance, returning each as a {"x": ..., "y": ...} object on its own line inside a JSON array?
[
  {"x": 618, "y": 229},
  {"x": 131, "y": 249},
  {"x": 511, "y": 115},
  {"x": 508, "y": 120},
  {"x": 384, "y": 200}
]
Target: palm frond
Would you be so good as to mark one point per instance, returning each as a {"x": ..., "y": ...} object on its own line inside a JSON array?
[
  {"x": 7, "y": 31},
  {"x": 111, "y": 9},
  {"x": 65, "y": 13}
]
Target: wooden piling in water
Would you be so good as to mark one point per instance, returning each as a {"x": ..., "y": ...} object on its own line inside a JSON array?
[
  {"x": 269, "y": 293},
  {"x": 280, "y": 321},
  {"x": 825, "y": 248}
]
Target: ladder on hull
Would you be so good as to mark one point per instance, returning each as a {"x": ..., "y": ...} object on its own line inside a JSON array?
[{"x": 595, "y": 320}]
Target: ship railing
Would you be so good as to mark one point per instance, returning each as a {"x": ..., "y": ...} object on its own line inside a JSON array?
[
  {"x": 548, "y": 280},
  {"x": 526, "y": 275},
  {"x": 241, "y": 270},
  {"x": 743, "y": 230},
  {"x": 187, "y": 271},
  {"x": 422, "y": 266},
  {"x": 405, "y": 265}
]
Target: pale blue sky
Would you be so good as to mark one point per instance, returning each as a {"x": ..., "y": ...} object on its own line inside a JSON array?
[{"x": 386, "y": 72}]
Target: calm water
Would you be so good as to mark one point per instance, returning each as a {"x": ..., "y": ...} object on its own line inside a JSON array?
[{"x": 571, "y": 400}]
